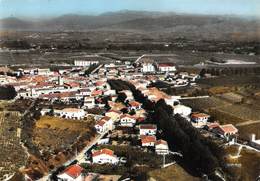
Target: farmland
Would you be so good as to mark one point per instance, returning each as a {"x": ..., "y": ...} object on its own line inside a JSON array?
[
  {"x": 244, "y": 167},
  {"x": 10, "y": 140},
  {"x": 53, "y": 134}
]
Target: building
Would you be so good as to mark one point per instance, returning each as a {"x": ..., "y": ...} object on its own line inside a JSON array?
[
  {"x": 85, "y": 63},
  {"x": 255, "y": 143},
  {"x": 127, "y": 120},
  {"x": 70, "y": 113},
  {"x": 161, "y": 147},
  {"x": 45, "y": 72},
  {"x": 148, "y": 141},
  {"x": 72, "y": 173},
  {"x": 148, "y": 129},
  {"x": 104, "y": 156},
  {"x": 104, "y": 124},
  {"x": 89, "y": 102},
  {"x": 199, "y": 120},
  {"x": 166, "y": 67},
  {"x": 225, "y": 130},
  {"x": 134, "y": 105},
  {"x": 148, "y": 68},
  {"x": 184, "y": 111}
]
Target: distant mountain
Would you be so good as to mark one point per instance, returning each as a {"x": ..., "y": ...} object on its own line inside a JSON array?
[
  {"x": 143, "y": 21},
  {"x": 14, "y": 23}
]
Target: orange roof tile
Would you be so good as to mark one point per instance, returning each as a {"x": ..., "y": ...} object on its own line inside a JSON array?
[
  {"x": 73, "y": 171},
  {"x": 103, "y": 151},
  {"x": 148, "y": 139},
  {"x": 148, "y": 126},
  {"x": 228, "y": 128}
]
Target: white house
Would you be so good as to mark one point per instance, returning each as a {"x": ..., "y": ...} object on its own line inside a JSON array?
[
  {"x": 70, "y": 113},
  {"x": 104, "y": 156},
  {"x": 134, "y": 105},
  {"x": 161, "y": 147},
  {"x": 127, "y": 120},
  {"x": 182, "y": 110},
  {"x": 44, "y": 111},
  {"x": 72, "y": 173},
  {"x": 89, "y": 102},
  {"x": 85, "y": 63},
  {"x": 104, "y": 124},
  {"x": 148, "y": 141},
  {"x": 199, "y": 119},
  {"x": 109, "y": 92},
  {"x": 148, "y": 68},
  {"x": 148, "y": 129},
  {"x": 166, "y": 67},
  {"x": 255, "y": 143}
]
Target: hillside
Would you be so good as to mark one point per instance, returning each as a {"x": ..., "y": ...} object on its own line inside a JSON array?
[{"x": 141, "y": 21}]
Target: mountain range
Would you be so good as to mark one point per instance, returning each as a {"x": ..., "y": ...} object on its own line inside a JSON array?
[{"x": 140, "y": 21}]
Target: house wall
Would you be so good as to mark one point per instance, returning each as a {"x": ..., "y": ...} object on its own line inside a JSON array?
[
  {"x": 102, "y": 159},
  {"x": 147, "y": 132}
]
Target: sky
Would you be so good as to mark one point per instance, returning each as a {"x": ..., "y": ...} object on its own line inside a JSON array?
[{"x": 53, "y": 8}]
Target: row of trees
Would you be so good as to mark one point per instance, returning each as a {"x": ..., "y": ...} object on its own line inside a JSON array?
[{"x": 178, "y": 132}]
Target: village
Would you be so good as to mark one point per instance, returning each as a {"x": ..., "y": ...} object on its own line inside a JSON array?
[{"x": 121, "y": 119}]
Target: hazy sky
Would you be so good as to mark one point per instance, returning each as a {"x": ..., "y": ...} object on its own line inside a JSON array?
[{"x": 45, "y": 8}]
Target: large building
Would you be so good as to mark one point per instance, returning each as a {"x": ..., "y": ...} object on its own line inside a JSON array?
[
  {"x": 148, "y": 68},
  {"x": 85, "y": 63}
]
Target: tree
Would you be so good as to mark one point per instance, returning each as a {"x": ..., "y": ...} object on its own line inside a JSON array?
[{"x": 7, "y": 92}]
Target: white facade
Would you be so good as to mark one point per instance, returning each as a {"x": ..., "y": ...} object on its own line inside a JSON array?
[
  {"x": 84, "y": 63},
  {"x": 148, "y": 129},
  {"x": 127, "y": 121},
  {"x": 148, "y": 67},
  {"x": 161, "y": 147},
  {"x": 71, "y": 113},
  {"x": 199, "y": 119},
  {"x": 255, "y": 143},
  {"x": 66, "y": 177},
  {"x": 104, "y": 124},
  {"x": 89, "y": 102},
  {"x": 104, "y": 156},
  {"x": 167, "y": 68},
  {"x": 182, "y": 110}
]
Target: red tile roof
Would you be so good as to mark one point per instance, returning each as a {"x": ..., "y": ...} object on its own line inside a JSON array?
[
  {"x": 148, "y": 126},
  {"x": 72, "y": 84},
  {"x": 103, "y": 151},
  {"x": 166, "y": 65},
  {"x": 199, "y": 115},
  {"x": 73, "y": 171},
  {"x": 148, "y": 139},
  {"x": 115, "y": 111},
  {"x": 161, "y": 142},
  {"x": 96, "y": 92},
  {"x": 228, "y": 128},
  {"x": 127, "y": 116},
  {"x": 134, "y": 104}
]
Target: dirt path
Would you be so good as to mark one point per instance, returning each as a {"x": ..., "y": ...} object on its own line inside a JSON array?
[{"x": 248, "y": 123}]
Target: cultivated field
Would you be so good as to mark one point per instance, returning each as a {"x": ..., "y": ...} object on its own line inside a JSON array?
[
  {"x": 12, "y": 154},
  {"x": 53, "y": 133},
  {"x": 245, "y": 167},
  {"x": 174, "y": 172}
]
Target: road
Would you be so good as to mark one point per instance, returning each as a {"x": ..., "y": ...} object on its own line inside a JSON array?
[
  {"x": 248, "y": 123},
  {"x": 154, "y": 55}
]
